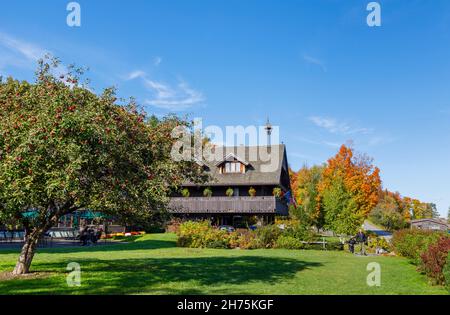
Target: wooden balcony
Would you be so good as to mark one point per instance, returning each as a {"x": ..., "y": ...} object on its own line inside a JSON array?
[{"x": 232, "y": 205}]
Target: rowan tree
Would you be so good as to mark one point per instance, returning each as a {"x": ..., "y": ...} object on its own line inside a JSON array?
[{"x": 64, "y": 148}]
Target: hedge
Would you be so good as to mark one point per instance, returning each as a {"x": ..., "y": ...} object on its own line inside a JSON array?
[{"x": 203, "y": 235}]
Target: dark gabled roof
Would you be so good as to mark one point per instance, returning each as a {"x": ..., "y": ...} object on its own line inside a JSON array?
[
  {"x": 231, "y": 157},
  {"x": 264, "y": 165}
]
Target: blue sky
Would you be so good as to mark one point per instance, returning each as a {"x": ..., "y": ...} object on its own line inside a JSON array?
[{"x": 314, "y": 67}]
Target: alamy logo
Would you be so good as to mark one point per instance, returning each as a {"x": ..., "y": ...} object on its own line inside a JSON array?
[
  {"x": 374, "y": 17},
  {"x": 73, "y": 279},
  {"x": 189, "y": 144},
  {"x": 374, "y": 277},
  {"x": 74, "y": 17}
]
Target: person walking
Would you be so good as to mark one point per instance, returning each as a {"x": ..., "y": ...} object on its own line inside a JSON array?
[{"x": 361, "y": 238}]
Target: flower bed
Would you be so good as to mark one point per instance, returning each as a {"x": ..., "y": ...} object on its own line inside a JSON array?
[{"x": 121, "y": 235}]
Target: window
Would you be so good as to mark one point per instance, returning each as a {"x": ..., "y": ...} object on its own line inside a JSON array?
[{"x": 232, "y": 167}]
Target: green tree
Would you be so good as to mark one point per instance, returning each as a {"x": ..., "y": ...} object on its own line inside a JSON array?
[
  {"x": 341, "y": 210},
  {"x": 64, "y": 148},
  {"x": 388, "y": 214},
  {"x": 305, "y": 191},
  {"x": 434, "y": 213}
]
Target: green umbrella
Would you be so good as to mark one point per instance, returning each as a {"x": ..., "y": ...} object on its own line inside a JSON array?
[{"x": 31, "y": 214}]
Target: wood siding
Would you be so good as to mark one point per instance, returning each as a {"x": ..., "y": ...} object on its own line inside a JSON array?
[{"x": 235, "y": 205}]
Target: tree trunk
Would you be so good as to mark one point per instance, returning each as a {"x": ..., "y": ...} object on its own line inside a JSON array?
[{"x": 27, "y": 253}]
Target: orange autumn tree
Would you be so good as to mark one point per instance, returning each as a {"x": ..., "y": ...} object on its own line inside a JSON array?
[
  {"x": 348, "y": 190},
  {"x": 403, "y": 203}
]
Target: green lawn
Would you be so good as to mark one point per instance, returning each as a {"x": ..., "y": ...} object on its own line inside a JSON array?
[{"x": 153, "y": 265}]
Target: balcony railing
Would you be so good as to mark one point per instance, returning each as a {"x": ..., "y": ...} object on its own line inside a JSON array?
[{"x": 244, "y": 205}]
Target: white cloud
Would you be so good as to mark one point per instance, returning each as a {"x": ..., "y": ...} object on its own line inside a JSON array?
[
  {"x": 315, "y": 61},
  {"x": 336, "y": 127},
  {"x": 174, "y": 98},
  {"x": 135, "y": 74}
]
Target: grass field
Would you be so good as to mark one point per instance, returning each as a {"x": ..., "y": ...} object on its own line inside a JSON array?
[{"x": 154, "y": 265}]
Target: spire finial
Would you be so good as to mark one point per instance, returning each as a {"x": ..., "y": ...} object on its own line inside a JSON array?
[{"x": 268, "y": 129}]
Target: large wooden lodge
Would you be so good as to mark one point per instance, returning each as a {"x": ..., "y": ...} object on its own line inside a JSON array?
[{"x": 244, "y": 170}]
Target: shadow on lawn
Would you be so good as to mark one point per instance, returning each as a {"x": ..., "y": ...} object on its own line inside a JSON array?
[
  {"x": 161, "y": 275},
  {"x": 100, "y": 247}
]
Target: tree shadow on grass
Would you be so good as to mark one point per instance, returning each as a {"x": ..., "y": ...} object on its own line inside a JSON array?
[
  {"x": 100, "y": 247},
  {"x": 197, "y": 275}
]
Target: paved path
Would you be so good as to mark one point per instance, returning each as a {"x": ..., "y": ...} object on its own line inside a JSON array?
[{"x": 377, "y": 230}]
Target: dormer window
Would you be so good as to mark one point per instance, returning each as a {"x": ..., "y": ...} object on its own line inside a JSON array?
[
  {"x": 233, "y": 167},
  {"x": 232, "y": 164}
]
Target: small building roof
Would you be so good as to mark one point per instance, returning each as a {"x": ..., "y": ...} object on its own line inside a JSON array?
[{"x": 434, "y": 220}]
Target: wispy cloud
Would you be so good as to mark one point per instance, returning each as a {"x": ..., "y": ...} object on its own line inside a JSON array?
[
  {"x": 334, "y": 126},
  {"x": 174, "y": 98},
  {"x": 29, "y": 51},
  {"x": 344, "y": 131},
  {"x": 299, "y": 155},
  {"x": 315, "y": 61},
  {"x": 135, "y": 74},
  {"x": 320, "y": 142},
  {"x": 19, "y": 53},
  {"x": 15, "y": 52}
]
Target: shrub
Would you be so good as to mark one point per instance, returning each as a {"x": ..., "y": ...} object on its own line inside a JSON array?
[
  {"x": 191, "y": 234},
  {"x": 203, "y": 235},
  {"x": 233, "y": 239},
  {"x": 252, "y": 192},
  {"x": 335, "y": 245},
  {"x": 379, "y": 242},
  {"x": 229, "y": 192},
  {"x": 247, "y": 240},
  {"x": 288, "y": 242},
  {"x": 185, "y": 192},
  {"x": 277, "y": 192},
  {"x": 301, "y": 232},
  {"x": 267, "y": 235},
  {"x": 207, "y": 192},
  {"x": 287, "y": 222},
  {"x": 173, "y": 225},
  {"x": 214, "y": 238},
  {"x": 412, "y": 243},
  {"x": 446, "y": 272},
  {"x": 434, "y": 260}
]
